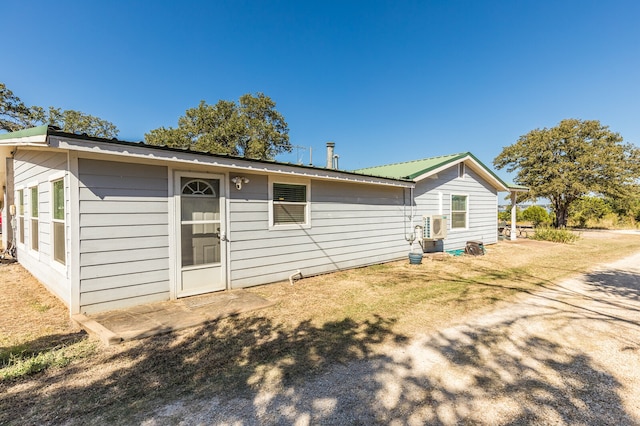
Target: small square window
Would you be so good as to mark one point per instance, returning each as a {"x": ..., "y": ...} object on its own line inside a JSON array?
[{"x": 290, "y": 204}]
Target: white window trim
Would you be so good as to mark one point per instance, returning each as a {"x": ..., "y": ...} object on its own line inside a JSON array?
[
  {"x": 29, "y": 218},
  {"x": 466, "y": 219},
  {"x": 20, "y": 235},
  {"x": 307, "y": 212},
  {"x": 60, "y": 267}
]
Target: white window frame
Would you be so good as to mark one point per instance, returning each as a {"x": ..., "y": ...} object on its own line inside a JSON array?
[
  {"x": 20, "y": 230},
  {"x": 29, "y": 218},
  {"x": 56, "y": 263},
  {"x": 466, "y": 216},
  {"x": 307, "y": 211}
]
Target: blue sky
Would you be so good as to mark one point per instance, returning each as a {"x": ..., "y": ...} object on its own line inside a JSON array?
[{"x": 387, "y": 81}]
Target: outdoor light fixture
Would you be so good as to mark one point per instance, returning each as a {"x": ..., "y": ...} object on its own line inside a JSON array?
[{"x": 239, "y": 180}]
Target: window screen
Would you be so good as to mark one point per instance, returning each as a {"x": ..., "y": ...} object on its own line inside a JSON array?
[
  {"x": 289, "y": 204},
  {"x": 34, "y": 218},
  {"x": 59, "y": 246},
  {"x": 290, "y": 193},
  {"x": 458, "y": 211}
]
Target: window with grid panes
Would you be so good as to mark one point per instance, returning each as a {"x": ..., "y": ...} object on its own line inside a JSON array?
[
  {"x": 57, "y": 221},
  {"x": 459, "y": 211},
  {"x": 34, "y": 219}
]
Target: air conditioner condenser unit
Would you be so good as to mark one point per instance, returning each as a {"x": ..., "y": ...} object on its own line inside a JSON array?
[{"x": 434, "y": 227}]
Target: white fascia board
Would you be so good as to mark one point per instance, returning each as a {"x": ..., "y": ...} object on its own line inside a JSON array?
[
  {"x": 36, "y": 140},
  {"x": 433, "y": 172},
  {"x": 475, "y": 166},
  {"x": 131, "y": 151},
  {"x": 488, "y": 176}
]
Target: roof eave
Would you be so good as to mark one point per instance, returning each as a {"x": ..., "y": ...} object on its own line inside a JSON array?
[
  {"x": 150, "y": 152},
  {"x": 477, "y": 166},
  {"x": 514, "y": 188},
  {"x": 34, "y": 135},
  {"x": 426, "y": 173}
]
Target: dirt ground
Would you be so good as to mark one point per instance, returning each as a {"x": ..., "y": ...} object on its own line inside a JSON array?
[
  {"x": 34, "y": 312},
  {"x": 569, "y": 354},
  {"x": 565, "y": 354}
]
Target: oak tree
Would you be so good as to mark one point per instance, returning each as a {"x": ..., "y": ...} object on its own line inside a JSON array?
[
  {"x": 15, "y": 115},
  {"x": 251, "y": 128},
  {"x": 571, "y": 160}
]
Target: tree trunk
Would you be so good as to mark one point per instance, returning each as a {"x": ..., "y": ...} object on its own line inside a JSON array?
[
  {"x": 561, "y": 209},
  {"x": 562, "y": 216}
]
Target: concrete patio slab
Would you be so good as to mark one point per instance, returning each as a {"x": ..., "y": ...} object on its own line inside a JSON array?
[{"x": 148, "y": 320}]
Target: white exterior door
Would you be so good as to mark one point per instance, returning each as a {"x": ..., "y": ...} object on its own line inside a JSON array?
[{"x": 201, "y": 251}]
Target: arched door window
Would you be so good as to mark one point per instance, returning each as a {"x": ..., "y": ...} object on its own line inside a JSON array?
[{"x": 200, "y": 221}]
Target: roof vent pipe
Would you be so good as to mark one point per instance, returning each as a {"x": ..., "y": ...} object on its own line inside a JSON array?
[{"x": 330, "y": 146}]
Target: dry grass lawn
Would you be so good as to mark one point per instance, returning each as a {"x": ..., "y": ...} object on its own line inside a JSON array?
[{"x": 51, "y": 372}]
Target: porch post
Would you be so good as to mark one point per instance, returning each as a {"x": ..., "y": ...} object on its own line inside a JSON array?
[{"x": 514, "y": 200}]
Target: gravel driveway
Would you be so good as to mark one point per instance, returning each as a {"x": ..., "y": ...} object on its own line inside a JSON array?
[{"x": 569, "y": 354}]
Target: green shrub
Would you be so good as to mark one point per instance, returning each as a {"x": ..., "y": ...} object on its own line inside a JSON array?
[
  {"x": 506, "y": 215},
  {"x": 537, "y": 215},
  {"x": 588, "y": 209},
  {"x": 545, "y": 233}
]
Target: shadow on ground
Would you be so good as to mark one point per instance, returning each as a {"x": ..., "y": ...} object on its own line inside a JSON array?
[
  {"x": 617, "y": 283},
  {"x": 248, "y": 369}
]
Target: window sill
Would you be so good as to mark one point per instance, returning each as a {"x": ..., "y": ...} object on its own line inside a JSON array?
[{"x": 292, "y": 226}]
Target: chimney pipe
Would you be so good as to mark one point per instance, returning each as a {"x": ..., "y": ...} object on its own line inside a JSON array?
[{"x": 330, "y": 146}]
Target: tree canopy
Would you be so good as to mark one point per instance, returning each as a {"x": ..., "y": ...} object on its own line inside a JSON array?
[
  {"x": 16, "y": 115},
  {"x": 251, "y": 128},
  {"x": 573, "y": 159}
]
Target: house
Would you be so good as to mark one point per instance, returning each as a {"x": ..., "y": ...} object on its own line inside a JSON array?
[
  {"x": 457, "y": 187},
  {"x": 106, "y": 224}
]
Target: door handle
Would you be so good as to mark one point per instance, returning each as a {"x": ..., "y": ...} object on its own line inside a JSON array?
[{"x": 221, "y": 236}]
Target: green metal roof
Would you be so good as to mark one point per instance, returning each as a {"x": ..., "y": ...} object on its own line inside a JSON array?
[
  {"x": 33, "y": 131},
  {"x": 516, "y": 187},
  {"x": 414, "y": 169},
  {"x": 411, "y": 169}
]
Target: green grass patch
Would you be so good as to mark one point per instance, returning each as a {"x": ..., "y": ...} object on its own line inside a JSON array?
[
  {"x": 39, "y": 307},
  {"x": 20, "y": 361}
]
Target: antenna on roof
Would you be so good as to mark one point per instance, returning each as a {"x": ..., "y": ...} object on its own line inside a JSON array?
[{"x": 299, "y": 155}]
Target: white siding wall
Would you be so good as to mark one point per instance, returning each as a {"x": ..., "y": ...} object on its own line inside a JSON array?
[
  {"x": 124, "y": 228},
  {"x": 351, "y": 225},
  {"x": 482, "y": 205},
  {"x": 30, "y": 167},
  {"x": 124, "y": 234}
]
